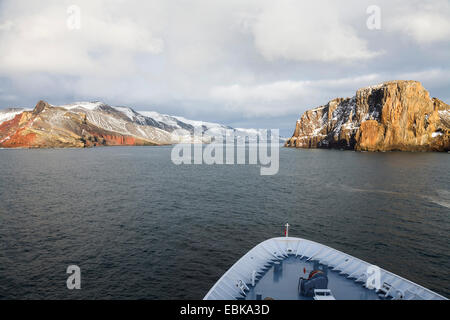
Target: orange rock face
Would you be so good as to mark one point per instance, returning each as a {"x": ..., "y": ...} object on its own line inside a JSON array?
[
  {"x": 394, "y": 116},
  {"x": 53, "y": 127}
]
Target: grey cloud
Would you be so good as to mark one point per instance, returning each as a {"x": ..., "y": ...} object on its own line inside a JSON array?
[{"x": 243, "y": 63}]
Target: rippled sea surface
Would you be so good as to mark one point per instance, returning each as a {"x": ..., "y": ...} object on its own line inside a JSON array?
[{"x": 140, "y": 227}]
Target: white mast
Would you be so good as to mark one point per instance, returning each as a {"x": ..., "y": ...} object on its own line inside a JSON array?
[{"x": 287, "y": 229}]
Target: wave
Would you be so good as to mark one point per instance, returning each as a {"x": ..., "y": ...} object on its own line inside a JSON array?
[{"x": 441, "y": 196}]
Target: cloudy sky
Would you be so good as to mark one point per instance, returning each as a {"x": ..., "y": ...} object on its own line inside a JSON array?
[{"x": 245, "y": 63}]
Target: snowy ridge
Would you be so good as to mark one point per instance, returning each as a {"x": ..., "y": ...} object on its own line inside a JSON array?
[
  {"x": 169, "y": 120},
  {"x": 83, "y": 105},
  {"x": 9, "y": 114},
  {"x": 374, "y": 87}
]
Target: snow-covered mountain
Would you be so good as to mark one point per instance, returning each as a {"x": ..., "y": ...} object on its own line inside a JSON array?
[
  {"x": 194, "y": 126},
  {"x": 96, "y": 123},
  {"x": 182, "y": 129}
]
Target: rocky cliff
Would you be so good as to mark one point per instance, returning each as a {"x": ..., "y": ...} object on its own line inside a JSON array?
[{"x": 393, "y": 116}]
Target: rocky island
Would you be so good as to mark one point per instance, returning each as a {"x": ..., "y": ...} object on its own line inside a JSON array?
[{"x": 392, "y": 116}]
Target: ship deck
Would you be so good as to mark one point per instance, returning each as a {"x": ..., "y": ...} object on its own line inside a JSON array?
[{"x": 282, "y": 284}]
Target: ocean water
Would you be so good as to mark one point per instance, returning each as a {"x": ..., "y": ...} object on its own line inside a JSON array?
[{"x": 140, "y": 227}]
